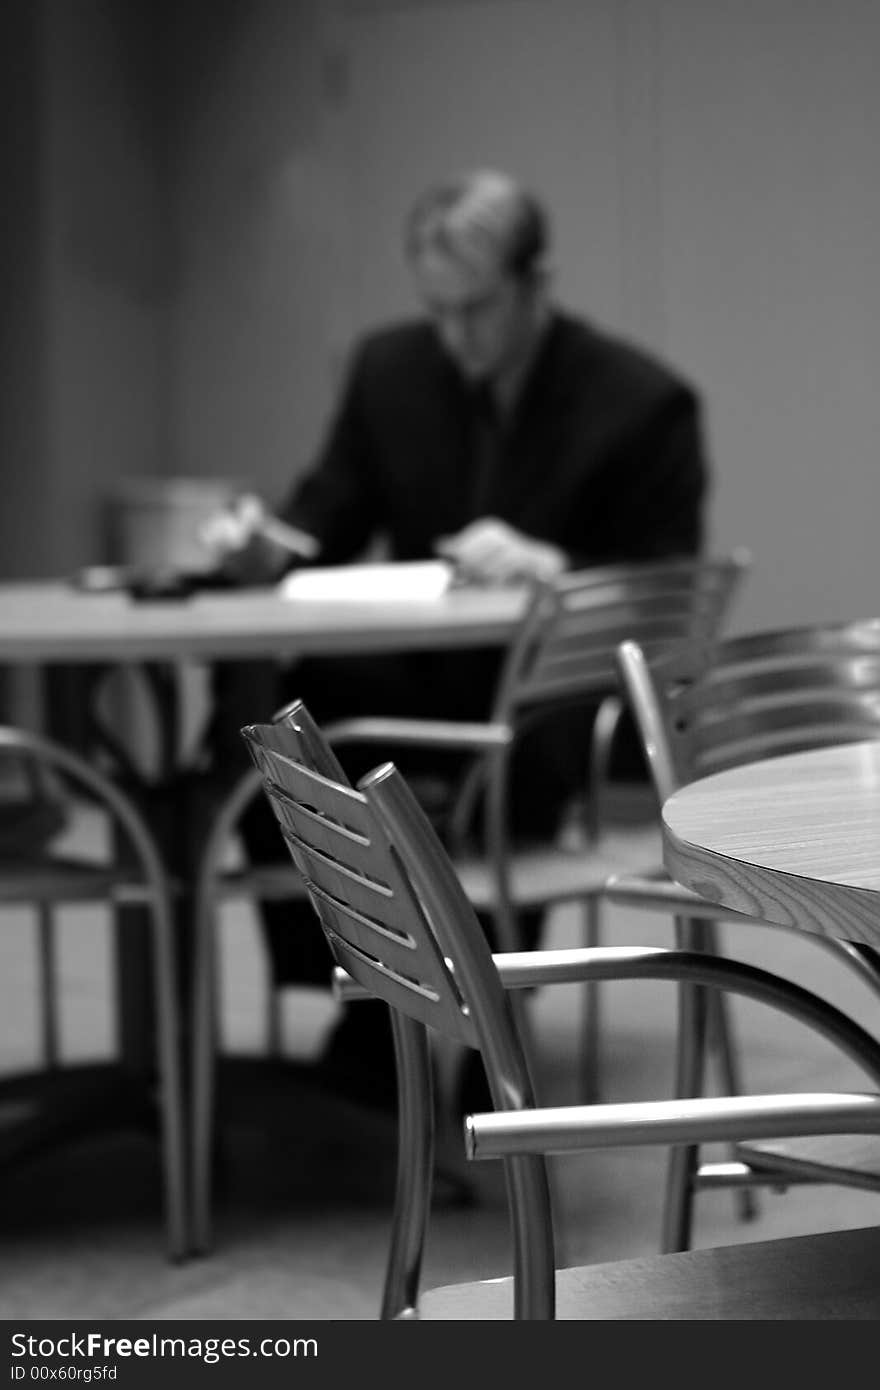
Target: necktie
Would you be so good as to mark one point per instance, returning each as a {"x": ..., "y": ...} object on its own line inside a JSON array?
[{"x": 486, "y": 441}]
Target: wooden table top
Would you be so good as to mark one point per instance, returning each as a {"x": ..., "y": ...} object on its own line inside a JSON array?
[
  {"x": 795, "y": 840},
  {"x": 49, "y": 621}
]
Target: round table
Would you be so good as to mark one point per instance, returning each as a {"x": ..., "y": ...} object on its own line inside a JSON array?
[{"x": 793, "y": 840}]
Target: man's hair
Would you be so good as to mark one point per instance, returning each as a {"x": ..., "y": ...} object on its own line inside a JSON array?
[{"x": 480, "y": 214}]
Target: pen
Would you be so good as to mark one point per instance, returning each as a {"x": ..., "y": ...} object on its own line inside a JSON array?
[{"x": 290, "y": 537}]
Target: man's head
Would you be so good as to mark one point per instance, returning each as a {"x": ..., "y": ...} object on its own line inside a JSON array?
[{"x": 476, "y": 245}]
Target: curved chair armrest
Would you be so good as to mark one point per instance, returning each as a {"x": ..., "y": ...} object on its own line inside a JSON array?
[
  {"x": 523, "y": 969},
  {"x": 526, "y": 969},
  {"x": 434, "y": 733},
  {"x": 652, "y": 888},
  {"x": 571, "y": 1128}
]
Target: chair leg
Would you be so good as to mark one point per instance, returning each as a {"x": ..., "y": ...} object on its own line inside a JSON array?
[
  {"x": 720, "y": 1040},
  {"x": 415, "y": 1168},
  {"x": 689, "y": 1060},
  {"x": 719, "y": 1033},
  {"x": 204, "y": 1062},
  {"x": 168, "y": 1057},
  {"x": 274, "y": 1030},
  {"x": 698, "y": 934},
  {"x": 605, "y": 725},
  {"x": 519, "y": 1007},
  {"x": 48, "y": 972},
  {"x": 591, "y": 1031}
]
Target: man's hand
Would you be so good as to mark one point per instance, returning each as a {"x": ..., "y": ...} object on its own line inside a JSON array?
[
  {"x": 488, "y": 551},
  {"x": 232, "y": 528},
  {"x": 250, "y": 544}
]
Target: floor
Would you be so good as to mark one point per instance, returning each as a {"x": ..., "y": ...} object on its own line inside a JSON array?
[{"x": 306, "y": 1180}]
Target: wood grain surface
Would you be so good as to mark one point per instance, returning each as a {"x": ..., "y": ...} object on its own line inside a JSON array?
[{"x": 794, "y": 839}]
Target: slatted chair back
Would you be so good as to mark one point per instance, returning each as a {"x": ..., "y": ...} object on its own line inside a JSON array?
[
  {"x": 393, "y": 929},
  {"x": 717, "y": 704},
  {"x": 566, "y": 646}
]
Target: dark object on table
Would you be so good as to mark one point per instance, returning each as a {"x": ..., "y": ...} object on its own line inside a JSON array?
[{"x": 150, "y": 584}]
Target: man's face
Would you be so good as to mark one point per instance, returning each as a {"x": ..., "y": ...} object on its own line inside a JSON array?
[{"x": 483, "y": 315}]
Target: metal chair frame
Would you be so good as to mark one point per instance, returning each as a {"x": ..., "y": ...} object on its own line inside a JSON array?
[
  {"x": 44, "y": 879},
  {"x": 402, "y": 929},
  {"x": 561, "y": 656},
  {"x": 709, "y": 706}
]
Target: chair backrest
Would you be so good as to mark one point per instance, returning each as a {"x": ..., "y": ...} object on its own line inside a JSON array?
[
  {"x": 566, "y": 645},
  {"x": 713, "y": 705},
  {"x": 382, "y": 885}
]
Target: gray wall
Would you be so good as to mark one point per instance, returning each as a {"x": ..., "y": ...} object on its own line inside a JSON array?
[
  {"x": 22, "y": 436},
  {"x": 770, "y": 233},
  {"x": 712, "y": 170},
  {"x": 86, "y": 207},
  {"x": 208, "y": 256}
]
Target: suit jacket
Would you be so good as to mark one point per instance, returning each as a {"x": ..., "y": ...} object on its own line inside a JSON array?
[{"x": 603, "y": 454}]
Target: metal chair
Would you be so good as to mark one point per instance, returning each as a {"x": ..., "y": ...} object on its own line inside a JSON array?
[
  {"x": 706, "y": 707},
  {"x": 402, "y": 929},
  {"x": 35, "y": 873},
  {"x": 561, "y": 657},
  {"x": 32, "y": 814}
]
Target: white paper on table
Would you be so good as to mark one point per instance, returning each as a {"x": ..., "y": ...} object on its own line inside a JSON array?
[{"x": 401, "y": 581}]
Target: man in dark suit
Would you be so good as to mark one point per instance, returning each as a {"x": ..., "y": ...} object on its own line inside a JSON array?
[
  {"x": 511, "y": 436},
  {"x": 498, "y": 431}
]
